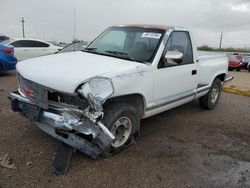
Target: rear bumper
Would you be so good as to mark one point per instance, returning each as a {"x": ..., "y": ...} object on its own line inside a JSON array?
[
  {"x": 234, "y": 66},
  {"x": 8, "y": 65},
  {"x": 71, "y": 126},
  {"x": 228, "y": 78}
]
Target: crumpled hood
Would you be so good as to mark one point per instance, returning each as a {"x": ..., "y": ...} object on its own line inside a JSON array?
[{"x": 66, "y": 71}]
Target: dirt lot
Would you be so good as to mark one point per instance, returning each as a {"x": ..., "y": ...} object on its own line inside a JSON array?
[
  {"x": 184, "y": 147},
  {"x": 241, "y": 80}
]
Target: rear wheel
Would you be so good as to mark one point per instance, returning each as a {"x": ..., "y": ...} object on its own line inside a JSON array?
[
  {"x": 123, "y": 121},
  {"x": 210, "y": 100},
  {"x": 1, "y": 69},
  {"x": 238, "y": 69}
]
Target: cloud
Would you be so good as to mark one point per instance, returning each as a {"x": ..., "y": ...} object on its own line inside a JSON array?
[
  {"x": 240, "y": 7},
  {"x": 54, "y": 19}
]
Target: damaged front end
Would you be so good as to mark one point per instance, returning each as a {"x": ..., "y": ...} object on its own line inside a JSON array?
[{"x": 76, "y": 123}]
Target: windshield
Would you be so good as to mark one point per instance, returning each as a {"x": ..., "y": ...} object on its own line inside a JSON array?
[
  {"x": 135, "y": 44},
  {"x": 6, "y": 41},
  {"x": 74, "y": 47}
]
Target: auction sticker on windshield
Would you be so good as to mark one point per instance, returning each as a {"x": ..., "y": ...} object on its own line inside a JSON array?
[{"x": 151, "y": 35}]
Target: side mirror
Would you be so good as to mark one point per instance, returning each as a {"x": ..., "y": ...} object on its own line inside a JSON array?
[{"x": 174, "y": 55}]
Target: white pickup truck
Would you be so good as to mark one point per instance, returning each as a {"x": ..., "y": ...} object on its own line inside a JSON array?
[{"x": 93, "y": 100}]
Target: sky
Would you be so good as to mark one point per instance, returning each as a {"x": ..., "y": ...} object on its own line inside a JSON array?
[{"x": 54, "y": 19}]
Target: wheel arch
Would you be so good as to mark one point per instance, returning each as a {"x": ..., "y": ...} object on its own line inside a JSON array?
[
  {"x": 136, "y": 100},
  {"x": 221, "y": 77}
]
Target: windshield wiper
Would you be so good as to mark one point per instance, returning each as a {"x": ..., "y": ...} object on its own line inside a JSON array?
[
  {"x": 124, "y": 55},
  {"x": 89, "y": 49},
  {"x": 116, "y": 52}
]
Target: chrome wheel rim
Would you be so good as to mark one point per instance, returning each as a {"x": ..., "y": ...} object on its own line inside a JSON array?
[
  {"x": 121, "y": 130},
  {"x": 215, "y": 94}
]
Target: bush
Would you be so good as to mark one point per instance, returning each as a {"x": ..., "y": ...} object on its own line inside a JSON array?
[{"x": 207, "y": 48}]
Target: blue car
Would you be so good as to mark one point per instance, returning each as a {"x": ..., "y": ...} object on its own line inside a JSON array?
[{"x": 7, "y": 59}]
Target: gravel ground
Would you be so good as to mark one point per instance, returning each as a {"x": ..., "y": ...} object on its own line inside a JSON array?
[{"x": 184, "y": 147}]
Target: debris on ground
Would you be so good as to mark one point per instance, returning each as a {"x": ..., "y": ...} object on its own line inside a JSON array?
[
  {"x": 7, "y": 162},
  {"x": 234, "y": 90},
  {"x": 29, "y": 163}
]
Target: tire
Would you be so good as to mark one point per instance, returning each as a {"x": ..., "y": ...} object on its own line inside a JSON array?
[
  {"x": 238, "y": 69},
  {"x": 211, "y": 99},
  {"x": 1, "y": 69},
  {"x": 230, "y": 69},
  {"x": 248, "y": 68},
  {"x": 123, "y": 121}
]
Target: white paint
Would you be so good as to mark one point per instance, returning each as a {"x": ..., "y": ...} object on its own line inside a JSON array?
[{"x": 65, "y": 72}]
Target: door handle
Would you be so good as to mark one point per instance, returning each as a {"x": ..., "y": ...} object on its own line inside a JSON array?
[{"x": 194, "y": 72}]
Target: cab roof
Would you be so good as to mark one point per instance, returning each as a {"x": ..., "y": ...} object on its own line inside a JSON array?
[{"x": 151, "y": 26}]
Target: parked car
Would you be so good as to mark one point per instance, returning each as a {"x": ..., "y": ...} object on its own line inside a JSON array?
[
  {"x": 3, "y": 38},
  {"x": 74, "y": 47},
  {"x": 245, "y": 62},
  {"x": 28, "y": 48},
  {"x": 94, "y": 100},
  {"x": 7, "y": 59},
  {"x": 235, "y": 62}
]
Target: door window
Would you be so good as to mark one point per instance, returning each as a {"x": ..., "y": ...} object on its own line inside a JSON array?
[
  {"x": 29, "y": 44},
  {"x": 178, "y": 41}
]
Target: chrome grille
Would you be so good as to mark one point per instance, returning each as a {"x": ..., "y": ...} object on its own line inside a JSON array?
[{"x": 33, "y": 91}]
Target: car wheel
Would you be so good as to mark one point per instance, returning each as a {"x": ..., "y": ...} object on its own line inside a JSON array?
[
  {"x": 230, "y": 69},
  {"x": 1, "y": 69},
  {"x": 210, "y": 100},
  {"x": 248, "y": 68},
  {"x": 123, "y": 121},
  {"x": 238, "y": 69}
]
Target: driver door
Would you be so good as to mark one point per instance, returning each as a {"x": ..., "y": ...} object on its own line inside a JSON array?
[{"x": 175, "y": 81}]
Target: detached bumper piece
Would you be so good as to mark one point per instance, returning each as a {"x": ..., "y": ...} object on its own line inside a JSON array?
[
  {"x": 68, "y": 124},
  {"x": 62, "y": 159}
]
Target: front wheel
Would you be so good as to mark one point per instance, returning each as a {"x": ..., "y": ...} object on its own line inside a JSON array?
[
  {"x": 211, "y": 99},
  {"x": 123, "y": 121}
]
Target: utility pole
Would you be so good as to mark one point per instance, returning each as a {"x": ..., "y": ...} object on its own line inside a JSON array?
[
  {"x": 74, "y": 23},
  {"x": 23, "y": 26},
  {"x": 74, "y": 40},
  {"x": 221, "y": 37}
]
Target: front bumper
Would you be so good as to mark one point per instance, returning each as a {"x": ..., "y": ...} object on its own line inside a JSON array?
[{"x": 75, "y": 127}]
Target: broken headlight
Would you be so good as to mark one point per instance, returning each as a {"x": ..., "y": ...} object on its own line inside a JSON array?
[{"x": 97, "y": 90}]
